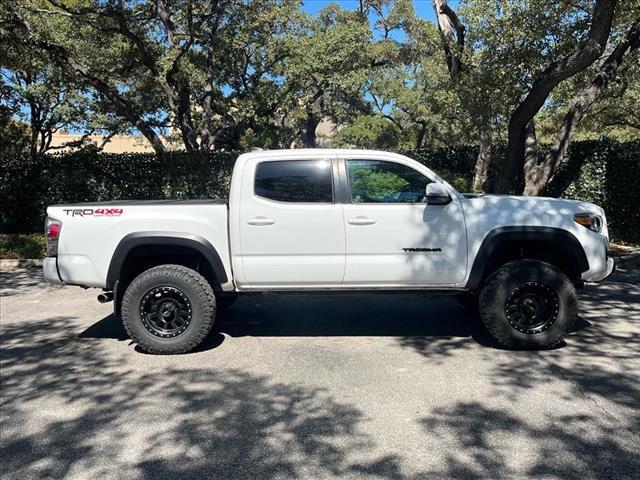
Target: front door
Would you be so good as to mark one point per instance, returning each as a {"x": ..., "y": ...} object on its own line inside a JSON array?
[
  {"x": 291, "y": 229},
  {"x": 394, "y": 239}
]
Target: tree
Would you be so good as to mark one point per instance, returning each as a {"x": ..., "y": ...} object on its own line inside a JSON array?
[
  {"x": 199, "y": 68},
  {"x": 538, "y": 174},
  {"x": 471, "y": 84},
  {"x": 326, "y": 70},
  {"x": 560, "y": 69},
  {"x": 30, "y": 26},
  {"x": 49, "y": 100},
  {"x": 368, "y": 131}
]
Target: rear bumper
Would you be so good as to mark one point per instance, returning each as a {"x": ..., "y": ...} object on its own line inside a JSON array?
[{"x": 50, "y": 269}]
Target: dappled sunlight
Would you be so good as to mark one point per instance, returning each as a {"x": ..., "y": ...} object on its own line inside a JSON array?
[
  {"x": 492, "y": 442},
  {"x": 203, "y": 423},
  {"x": 17, "y": 281},
  {"x": 73, "y": 390}
]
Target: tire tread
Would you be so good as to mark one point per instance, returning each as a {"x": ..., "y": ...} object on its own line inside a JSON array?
[
  {"x": 206, "y": 298},
  {"x": 489, "y": 314}
]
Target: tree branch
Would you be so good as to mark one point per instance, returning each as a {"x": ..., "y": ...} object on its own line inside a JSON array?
[
  {"x": 538, "y": 177},
  {"x": 582, "y": 57}
]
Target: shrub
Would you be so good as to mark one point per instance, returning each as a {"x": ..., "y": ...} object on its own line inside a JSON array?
[
  {"x": 604, "y": 172},
  {"x": 22, "y": 246}
]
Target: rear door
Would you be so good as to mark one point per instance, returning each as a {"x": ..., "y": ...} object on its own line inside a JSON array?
[
  {"x": 394, "y": 239},
  {"x": 291, "y": 228}
]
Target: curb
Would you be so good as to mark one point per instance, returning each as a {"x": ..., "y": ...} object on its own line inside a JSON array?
[{"x": 20, "y": 262}]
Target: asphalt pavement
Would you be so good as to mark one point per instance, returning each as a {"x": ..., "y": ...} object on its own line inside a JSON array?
[{"x": 318, "y": 387}]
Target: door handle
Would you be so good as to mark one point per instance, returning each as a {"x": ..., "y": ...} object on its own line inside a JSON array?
[
  {"x": 361, "y": 221},
  {"x": 261, "y": 221}
]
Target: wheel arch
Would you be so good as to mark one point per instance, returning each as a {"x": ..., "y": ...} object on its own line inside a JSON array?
[
  {"x": 164, "y": 244},
  {"x": 554, "y": 245}
]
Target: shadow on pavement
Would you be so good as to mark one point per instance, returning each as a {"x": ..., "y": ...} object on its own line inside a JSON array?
[
  {"x": 72, "y": 408},
  {"x": 15, "y": 281}
]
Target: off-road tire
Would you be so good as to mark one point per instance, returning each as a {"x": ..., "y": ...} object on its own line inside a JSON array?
[
  {"x": 200, "y": 297},
  {"x": 499, "y": 286}
]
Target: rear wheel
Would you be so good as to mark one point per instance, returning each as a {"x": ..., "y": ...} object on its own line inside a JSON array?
[
  {"x": 528, "y": 304},
  {"x": 168, "y": 309}
]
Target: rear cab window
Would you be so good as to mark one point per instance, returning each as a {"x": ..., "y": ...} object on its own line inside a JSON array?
[{"x": 296, "y": 181}]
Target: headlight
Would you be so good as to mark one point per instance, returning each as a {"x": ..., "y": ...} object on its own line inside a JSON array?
[{"x": 590, "y": 220}]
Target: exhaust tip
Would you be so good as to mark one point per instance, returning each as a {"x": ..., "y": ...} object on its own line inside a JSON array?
[{"x": 105, "y": 297}]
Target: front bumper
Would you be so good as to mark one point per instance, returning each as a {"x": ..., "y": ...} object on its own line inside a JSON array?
[
  {"x": 50, "y": 269},
  {"x": 611, "y": 267},
  {"x": 602, "y": 274}
]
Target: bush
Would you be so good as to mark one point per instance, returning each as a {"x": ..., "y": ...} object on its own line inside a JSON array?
[
  {"x": 23, "y": 246},
  {"x": 28, "y": 185},
  {"x": 604, "y": 172},
  {"x": 607, "y": 173}
]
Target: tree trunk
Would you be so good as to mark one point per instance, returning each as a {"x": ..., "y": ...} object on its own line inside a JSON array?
[
  {"x": 539, "y": 174},
  {"x": 189, "y": 136},
  {"x": 452, "y": 32},
  {"x": 481, "y": 182},
  {"x": 422, "y": 133},
  {"x": 310, "y": 129},
  {"x": 582, "y": 57},
  {"x": 206, "y": 133},
  {"x": 530, "y": 165}
]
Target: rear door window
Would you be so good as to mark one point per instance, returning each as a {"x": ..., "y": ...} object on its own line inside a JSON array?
[{"x": 298, "y": 181}]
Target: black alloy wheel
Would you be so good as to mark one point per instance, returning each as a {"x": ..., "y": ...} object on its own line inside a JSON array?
[
  {"x": 165, "y": 311},
  {"x": 528, "y": 304},
  {"x": 168, "y": 309},
  {"x": 532, "y": 307}
]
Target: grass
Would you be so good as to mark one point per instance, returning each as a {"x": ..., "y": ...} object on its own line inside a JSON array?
[{"x": 31, "y": 245}]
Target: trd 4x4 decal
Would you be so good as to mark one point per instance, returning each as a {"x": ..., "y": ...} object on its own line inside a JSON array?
[{"x": 94, "y": 212}]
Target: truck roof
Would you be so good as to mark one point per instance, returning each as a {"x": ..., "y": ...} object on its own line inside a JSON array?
[{"x": 314, "y": 152}]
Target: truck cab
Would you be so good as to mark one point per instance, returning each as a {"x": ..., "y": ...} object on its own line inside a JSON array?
[{"x": 309, "y": 219}]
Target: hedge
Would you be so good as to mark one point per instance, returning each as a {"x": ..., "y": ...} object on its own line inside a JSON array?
[{"x": 604, "y": 172}]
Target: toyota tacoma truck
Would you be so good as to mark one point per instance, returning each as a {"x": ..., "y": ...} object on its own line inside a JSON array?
[{"x": 331, "y": 220}]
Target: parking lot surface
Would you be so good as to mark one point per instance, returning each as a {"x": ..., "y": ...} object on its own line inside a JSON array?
[{"x": 326, "y": 386}]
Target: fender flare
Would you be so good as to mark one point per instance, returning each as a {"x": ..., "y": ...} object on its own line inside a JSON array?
[
  {"x": 567, "y": 242},
  {"x": 165, "y": 239}
]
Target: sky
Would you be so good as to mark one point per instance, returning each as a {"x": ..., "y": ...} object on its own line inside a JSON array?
[{"x": 424, "y": 8}]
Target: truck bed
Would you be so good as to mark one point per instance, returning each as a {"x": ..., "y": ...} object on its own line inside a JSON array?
[{"x": 91, "y": 232}]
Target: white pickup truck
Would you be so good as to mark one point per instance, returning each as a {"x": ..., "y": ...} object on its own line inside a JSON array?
[{"x": 318, "y": 220}]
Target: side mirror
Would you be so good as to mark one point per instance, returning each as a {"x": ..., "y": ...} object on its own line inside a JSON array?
[{"x": 437, "y": 194}]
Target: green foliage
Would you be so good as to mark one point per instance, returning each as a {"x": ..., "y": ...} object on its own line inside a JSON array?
[
  {"x": 28, "y": 185},
  {"x": 14, "y": 136},
  {"x": 604, "y": 172},
  {"x": 607, "y": 173},
  {"x": 371, "y": 185},
  {"x": 22, "y": 246},
  {"x": 232, "y": 74},
  {"x": 368, "y": 132}
]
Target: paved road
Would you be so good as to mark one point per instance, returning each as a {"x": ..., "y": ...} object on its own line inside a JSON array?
[{"x": 362, "y": 386}]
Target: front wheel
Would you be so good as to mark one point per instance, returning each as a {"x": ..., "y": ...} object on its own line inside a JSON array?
[
  {"x": 528, "y": 304},
  {"x": 168, "y": 309}
]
